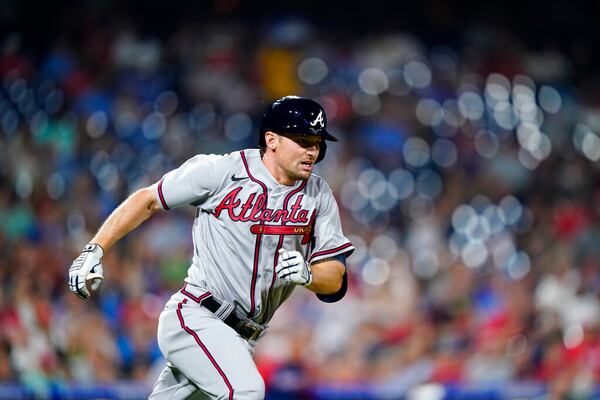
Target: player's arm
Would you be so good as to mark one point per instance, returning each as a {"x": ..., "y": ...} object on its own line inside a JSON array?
[
  {"x": 129, "y": 215},
  {"x": 327, "y": 276}
]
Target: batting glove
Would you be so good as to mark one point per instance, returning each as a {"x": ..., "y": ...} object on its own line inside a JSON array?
[
  {"x": 86, "y": 267},
  {"x": 293, "y": 268}
]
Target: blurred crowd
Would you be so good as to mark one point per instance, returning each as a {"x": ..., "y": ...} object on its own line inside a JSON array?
[{"x": 467, "y": 178}]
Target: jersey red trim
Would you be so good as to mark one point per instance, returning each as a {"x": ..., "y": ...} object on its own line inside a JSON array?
[
  {"x": 197, "y": 299},
  {"x": 204, "y": 349},
  {"x": 280, "y": 229},
  {"x": 161, "y": 196},
  {"x": 258, "y": 237},
  {"x": 331, "y": 251}
]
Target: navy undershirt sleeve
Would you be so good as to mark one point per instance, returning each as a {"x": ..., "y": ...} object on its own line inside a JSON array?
[{"x": 337, "y": 296}]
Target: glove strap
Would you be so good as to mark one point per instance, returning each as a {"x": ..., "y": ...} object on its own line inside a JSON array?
[
  {"x": 309, "y": 282},
  {"x": 94, "y": 248}
]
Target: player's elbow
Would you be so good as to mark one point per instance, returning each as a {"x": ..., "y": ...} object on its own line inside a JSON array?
[
  {"x": 338, "y": 294},
  {"x": 148, "y": 200}
]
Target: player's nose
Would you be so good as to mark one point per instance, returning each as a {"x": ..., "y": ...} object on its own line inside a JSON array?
[{"x": 313, "y": 150}]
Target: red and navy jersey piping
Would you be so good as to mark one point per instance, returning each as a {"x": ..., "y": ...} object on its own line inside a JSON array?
[
  {"x": 161, "y": 196},
  {"x": 330, "y": 251},
  {"x": 258, "y": 238}
]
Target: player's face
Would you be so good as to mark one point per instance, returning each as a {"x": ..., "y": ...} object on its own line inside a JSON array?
[{"x": 297, "y": 155}]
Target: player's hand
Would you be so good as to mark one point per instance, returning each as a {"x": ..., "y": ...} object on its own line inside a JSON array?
[
  {"x": 293, "y": 268},
  {"x": 88, "y": 266}
]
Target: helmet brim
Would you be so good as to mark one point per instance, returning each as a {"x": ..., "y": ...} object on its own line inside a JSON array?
[
  {"x": 328, "y": 136},
  {"x": 322, "y": 133}
]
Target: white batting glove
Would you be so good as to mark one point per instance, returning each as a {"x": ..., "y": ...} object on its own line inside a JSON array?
[
  {"x": 86, "y": 267},
  {"x": 293, "y": 268}
]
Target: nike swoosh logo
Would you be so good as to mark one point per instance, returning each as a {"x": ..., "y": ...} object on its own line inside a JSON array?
[{"x": 241, "y": 178}]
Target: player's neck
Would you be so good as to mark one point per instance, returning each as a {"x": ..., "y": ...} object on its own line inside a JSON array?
[{"x": 276, "y": 171}]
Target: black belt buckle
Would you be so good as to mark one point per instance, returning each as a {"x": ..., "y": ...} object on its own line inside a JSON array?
[{"x": 249, "y": 329}]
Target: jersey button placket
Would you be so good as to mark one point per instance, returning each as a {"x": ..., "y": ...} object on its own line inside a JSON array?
[{"x": 267, "y": 246}]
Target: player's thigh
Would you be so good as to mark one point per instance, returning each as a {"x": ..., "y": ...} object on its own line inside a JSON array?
[{"x": 208, "y": 352}]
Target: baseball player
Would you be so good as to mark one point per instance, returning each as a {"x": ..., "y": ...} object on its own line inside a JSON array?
[{"x": 264, "y": 225}]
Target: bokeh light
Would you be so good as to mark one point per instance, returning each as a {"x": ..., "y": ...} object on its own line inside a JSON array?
[
  {"x": 312, "y": 70},
  {"x": 373, "y": 81}
]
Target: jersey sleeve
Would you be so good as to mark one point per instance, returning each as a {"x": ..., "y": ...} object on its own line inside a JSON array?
[
  {"x": 329, "y": 240},
  {"x": 192, "y": 183}
]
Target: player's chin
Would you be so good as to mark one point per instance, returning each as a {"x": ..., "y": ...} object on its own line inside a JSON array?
[
  {"x": 302, "y": 174},
  {"x": 305, "y": 170}
]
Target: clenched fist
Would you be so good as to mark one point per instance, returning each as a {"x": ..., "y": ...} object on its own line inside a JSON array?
[
  {"x": 88, "y": 266},
  {"x": 293, "y": 268}
]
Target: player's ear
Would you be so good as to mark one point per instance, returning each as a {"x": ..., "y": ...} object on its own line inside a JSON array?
[{"x": 271, "y": 140}]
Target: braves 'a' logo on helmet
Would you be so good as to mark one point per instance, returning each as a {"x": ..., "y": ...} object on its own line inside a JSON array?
[{"x": 319, "y": 120}]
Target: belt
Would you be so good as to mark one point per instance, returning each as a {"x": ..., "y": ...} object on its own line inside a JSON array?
[{"x": 246, "y": 328}]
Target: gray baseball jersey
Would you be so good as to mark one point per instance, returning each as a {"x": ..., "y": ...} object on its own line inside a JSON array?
[{"x": 243, "y": 218}]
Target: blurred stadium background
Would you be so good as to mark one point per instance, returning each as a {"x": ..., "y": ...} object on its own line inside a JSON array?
[{"x": 466, "y": 174}]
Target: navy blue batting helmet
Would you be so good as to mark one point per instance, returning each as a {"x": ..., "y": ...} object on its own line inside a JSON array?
[{"x": 296, "y": 115}]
